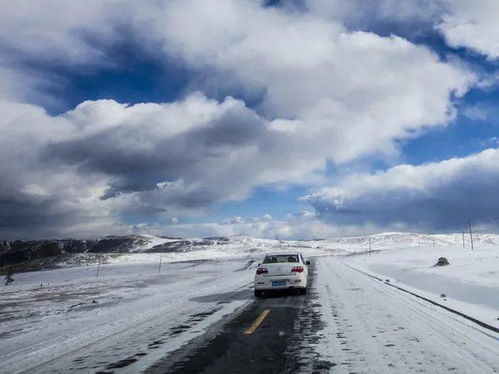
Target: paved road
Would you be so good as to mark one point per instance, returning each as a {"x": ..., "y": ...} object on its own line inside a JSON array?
[
  {"x": 347, "y": 323},
  {"x": 259, "y": 339}
]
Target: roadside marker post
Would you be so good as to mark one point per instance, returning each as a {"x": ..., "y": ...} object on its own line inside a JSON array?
[
  {"x": 471, "y": 235},
  {"x": 98, "y": 267}
]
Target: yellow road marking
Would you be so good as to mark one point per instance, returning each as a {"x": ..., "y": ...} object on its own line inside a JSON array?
[{"x": 257, "y": 322}]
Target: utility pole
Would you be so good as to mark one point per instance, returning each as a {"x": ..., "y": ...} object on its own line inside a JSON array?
[
  {"x": 98, "y": 267},
  {"x": 471, "y": 235},
  {"x": 369, "y": 246},
  {"x": 159, "y": 269},
  {"x": 463, "y": 240}
]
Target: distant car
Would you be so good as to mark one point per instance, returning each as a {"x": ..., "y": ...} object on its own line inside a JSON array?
[{"x": 282, "y": 271}]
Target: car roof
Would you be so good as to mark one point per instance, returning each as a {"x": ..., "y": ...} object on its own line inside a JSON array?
[{"x": 283, "y": 254}]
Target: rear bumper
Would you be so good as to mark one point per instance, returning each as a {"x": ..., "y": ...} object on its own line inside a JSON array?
[{"x": 291, "y": 283}]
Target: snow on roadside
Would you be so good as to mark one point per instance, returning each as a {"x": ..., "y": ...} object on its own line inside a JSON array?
[
  {"x": 469, "y": 284},
  {"x": 368, "y": 324},
  {"x": 53, "y": 316}
]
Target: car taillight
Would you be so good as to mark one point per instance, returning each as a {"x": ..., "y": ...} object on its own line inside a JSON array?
[
  {"x": 297, "y": 269},
  {"x": 261, "y": 271}
]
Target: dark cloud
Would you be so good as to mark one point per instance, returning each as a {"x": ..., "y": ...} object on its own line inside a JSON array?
[
  {"x": 23, "y": 217},
  {"x": 406, "y": 18},
  {"x": 137, "y": 157},
  {"x": 439, "y": 196}
]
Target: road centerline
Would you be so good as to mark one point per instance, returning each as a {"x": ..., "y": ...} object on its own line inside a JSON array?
[{"x": 257, "y": 322}]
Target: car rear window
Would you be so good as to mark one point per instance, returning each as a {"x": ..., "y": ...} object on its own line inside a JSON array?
[{"x": 275, "y": 259}]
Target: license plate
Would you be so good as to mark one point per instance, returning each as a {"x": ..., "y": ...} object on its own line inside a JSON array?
[{"x": 278, "y": 283}]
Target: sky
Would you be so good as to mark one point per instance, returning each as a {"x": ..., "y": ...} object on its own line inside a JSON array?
[{"x": 279, "y": 119}]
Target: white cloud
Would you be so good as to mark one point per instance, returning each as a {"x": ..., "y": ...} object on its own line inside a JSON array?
[
  {"x": 350, "y": 93},
  {"x": 266, "y": 217},
  {"x": 233, "y": 220},
  {"x": 299, "y": 229},
  {"x": 473, "y": 25},
  {"x": 59, "y": 29},
  {"x": 463, "y": 23},
  {"x": 475, "y": 112},
  {"x": 104, "y": 159},
  {"x": 366, "y": 14},
  {"x": 442, "y": 195}
]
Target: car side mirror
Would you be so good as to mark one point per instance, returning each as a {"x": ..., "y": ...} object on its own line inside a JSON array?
[{"x": 308, "y": 262}]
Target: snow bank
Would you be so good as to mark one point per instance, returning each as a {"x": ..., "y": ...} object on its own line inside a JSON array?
[{"x": 470, "y": 283}]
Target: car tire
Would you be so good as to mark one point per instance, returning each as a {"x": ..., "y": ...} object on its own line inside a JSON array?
[{"x": 258, "y": 293}]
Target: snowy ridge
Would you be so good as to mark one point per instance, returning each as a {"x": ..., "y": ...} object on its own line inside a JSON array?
[
  {"x": 145, "y": 248},
  {"x": 254, "y": 248},
  {"x": 382, "y": 241}
]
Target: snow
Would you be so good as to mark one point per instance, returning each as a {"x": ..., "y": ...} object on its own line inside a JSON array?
[
  {"x": 246, "y": 247},
  {"x": 50, "y": 317},
  {"x": 373, "y": 328},
  {"x": 239, "y": 247},
  {"x": 152, "y": 241},
  {"x": 470, "y": 282},
  {"x": 68, "y": 318}
]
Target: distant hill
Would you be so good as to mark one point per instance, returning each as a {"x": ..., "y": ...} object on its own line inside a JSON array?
[
  {"x": 43, "y": 254},
  {"x": 18, "y": 251}
]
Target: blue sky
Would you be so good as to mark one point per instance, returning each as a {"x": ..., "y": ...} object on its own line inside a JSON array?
[{"x": 295, "y": 121}]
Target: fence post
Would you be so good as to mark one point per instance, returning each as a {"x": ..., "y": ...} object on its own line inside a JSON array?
[
  {"x": 471, "y": 235},
  {"x": 98, "y": 267}
]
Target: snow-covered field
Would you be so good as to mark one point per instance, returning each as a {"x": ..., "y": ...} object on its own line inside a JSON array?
[
  {"x": 238, "y": 247},
  {"x": 470, "y": 283},
  {"x": 243, "y": 247},
  {"x": 136, "y": 310},
  {"x": 50, "y": 319}
]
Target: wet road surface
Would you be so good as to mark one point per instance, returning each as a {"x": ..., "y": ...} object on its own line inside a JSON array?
[
  {"x": 347, "y": 323},
  {"x": 261, "y": 338}
]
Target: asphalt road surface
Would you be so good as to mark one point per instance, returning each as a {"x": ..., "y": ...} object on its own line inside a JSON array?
[
  {"x": 347, "y": 323},
  {"x": 259, "y": 339}
]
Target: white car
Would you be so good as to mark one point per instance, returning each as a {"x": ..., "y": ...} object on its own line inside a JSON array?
[{"x": 280, "y": 271}]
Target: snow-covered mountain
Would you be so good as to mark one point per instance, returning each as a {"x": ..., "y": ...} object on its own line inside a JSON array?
[{"x": 50, "y": 253}]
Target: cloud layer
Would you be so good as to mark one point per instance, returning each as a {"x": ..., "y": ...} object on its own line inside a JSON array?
[
  {"x": 472, "y": 25},
  {"x": 443, "y": 195},
  {"x": 276, "y": 95},
  {"x": 462, "y": 23}
]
